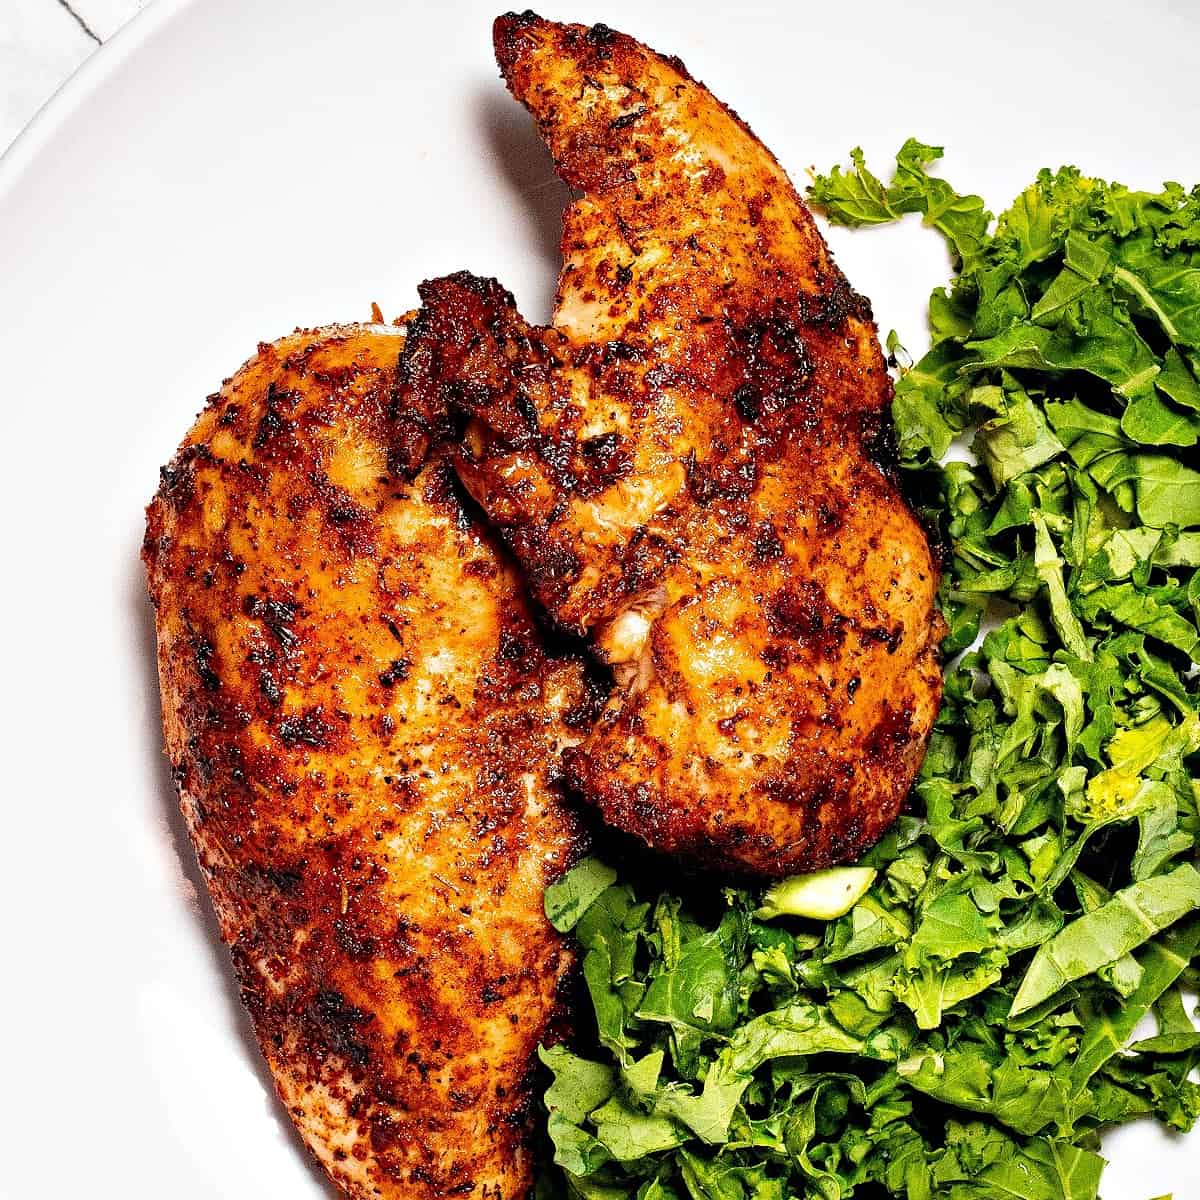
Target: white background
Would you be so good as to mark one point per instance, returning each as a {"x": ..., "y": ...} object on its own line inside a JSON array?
[
  {"x": 228, "y": 169},
  {"x": 41, "y": 44}
]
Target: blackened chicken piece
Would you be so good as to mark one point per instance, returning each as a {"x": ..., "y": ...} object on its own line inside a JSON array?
[
  {"x": 364, "y": 729},
  {"x": 680, "y": 464}
]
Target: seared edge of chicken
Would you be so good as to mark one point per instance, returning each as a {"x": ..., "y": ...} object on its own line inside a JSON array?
[
  {"x": 681, "y": 465},
  {"x": 364, "y": 728}
]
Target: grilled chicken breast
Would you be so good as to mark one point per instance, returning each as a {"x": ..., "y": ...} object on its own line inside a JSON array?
[
  {"x": 364, "y": 729},
  {"x": 682, "y": 464}
]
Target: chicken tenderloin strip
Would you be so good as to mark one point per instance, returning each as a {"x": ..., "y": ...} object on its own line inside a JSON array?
[
  {"x": 680, "y": 463},
  {"x": 364, "y": 729}
]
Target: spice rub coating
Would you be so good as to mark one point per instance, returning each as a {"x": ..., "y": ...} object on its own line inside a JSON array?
[
  {"x": 682, "y": 463},
  {"x": 364, "y": 730}
]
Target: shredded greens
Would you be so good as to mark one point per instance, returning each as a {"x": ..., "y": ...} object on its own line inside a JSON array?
[{"x": 966, "y": 1030}]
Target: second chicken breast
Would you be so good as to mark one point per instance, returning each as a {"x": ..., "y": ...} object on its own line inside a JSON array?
[{"x": 681, "y": 465}]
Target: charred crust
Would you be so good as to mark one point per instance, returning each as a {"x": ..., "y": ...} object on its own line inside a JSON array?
[
  {"x": 269, "y": 687},
  {"x": 308, "y": 728},
  {"x": 830, "y": 305},
  {"x": 627, "y": 119},
  {"x": 177, "y": 480},
  {"x": 277, "y": 616},
  {"x": 203, "y": 654},
  {"x": 607, "y": 458},
  {"x": 774, "y": 362},
  {"x": 456, "y": 365},
  {"x": 352, "y": 524},
  {"x": 597, "y": 688},
  {"x": 431, "y": 387},
  {"x": 357, "y": 945},
  {"x": 274, "y": 420},
  {"x": 880, "y": 443},
  {"x": 337, "y": 1023},
  {"x": 285, "y": 880},
  {"x": 731, "y": 479},
  {"x": 768, "y": 546},
  {"x": 526, "y": 408},
  {"x": 397, "y": 672},
  {"x": 494, "y": 295},
  {"x": 801, "y": 612},
  {"x": 549, "y": 564},
  {"x": 600, "y": 35},
  {"x": 748, "y": 401},
  {"x": 890, "y": 638}
]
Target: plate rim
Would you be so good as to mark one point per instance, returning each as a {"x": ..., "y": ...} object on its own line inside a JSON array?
[{"x": 71, "y": 95}]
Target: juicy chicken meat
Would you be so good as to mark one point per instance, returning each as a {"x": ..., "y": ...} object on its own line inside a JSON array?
[
  {"x": 363, "y": 728},
  {"x": 683, "y": 464}
]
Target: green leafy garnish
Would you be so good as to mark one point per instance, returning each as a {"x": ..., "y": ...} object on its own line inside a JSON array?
[
  {"x": 1107, "y": 934},
  {"x": 569, "y": 898},
  {"x": 821, "y": 895},
  {"x": 958, "y": 1015}
]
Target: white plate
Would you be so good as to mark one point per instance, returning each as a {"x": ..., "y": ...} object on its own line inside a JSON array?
[{"x": 224, "y": 171}]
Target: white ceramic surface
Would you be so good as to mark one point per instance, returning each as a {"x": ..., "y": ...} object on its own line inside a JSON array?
[
  {"x": 223, "y": 171},
  {"x": 42, "y": 42}
]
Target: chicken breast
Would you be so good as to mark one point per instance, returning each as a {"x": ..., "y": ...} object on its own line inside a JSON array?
[
  {"x": 683, "y": 464},
  {"x": 364, "y": 729}
]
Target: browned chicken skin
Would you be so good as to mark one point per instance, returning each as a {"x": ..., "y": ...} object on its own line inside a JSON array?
[
  {"x": 363, "y": 728},
  {"x": 679, "y": 464}
]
